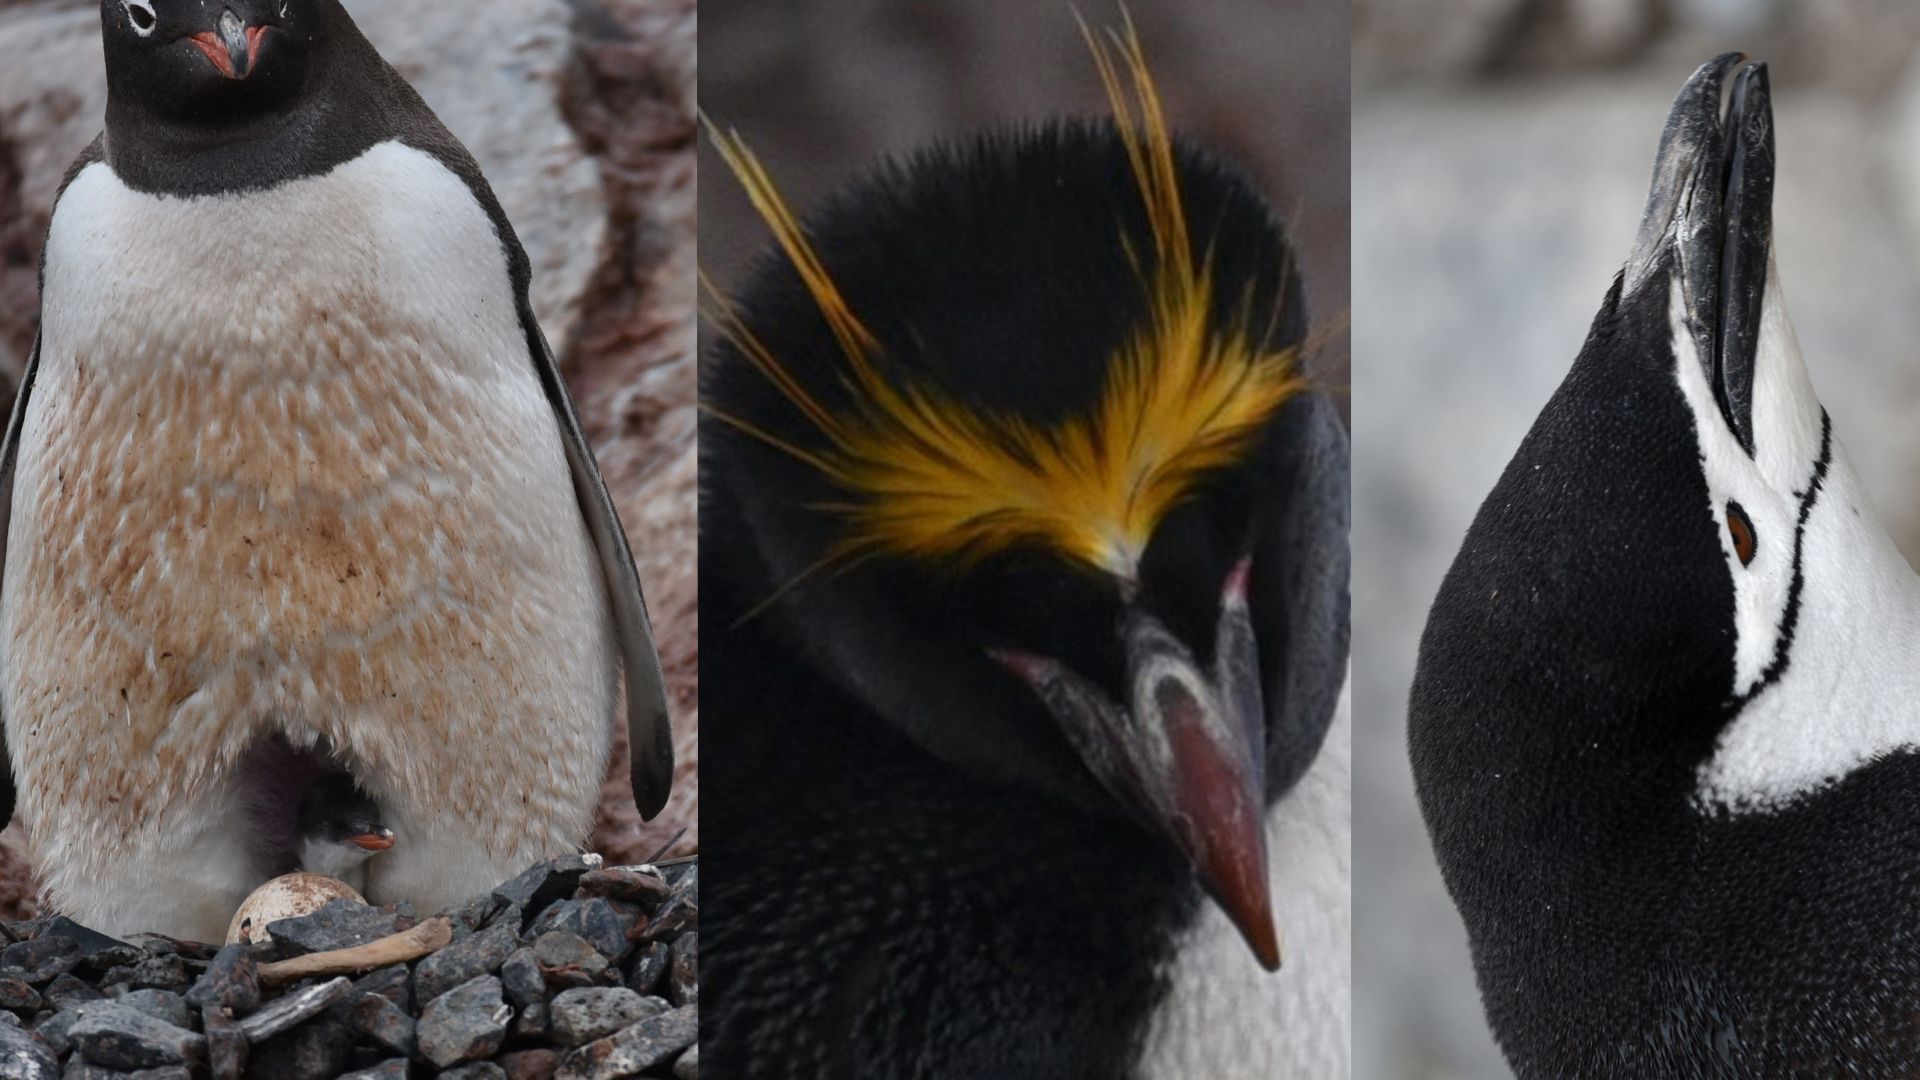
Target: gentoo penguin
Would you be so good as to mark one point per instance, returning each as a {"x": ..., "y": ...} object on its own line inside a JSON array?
[
  {"x": 1664, "y": 728},
  {"x": 1024, "y": 589},
  {"x": 339, "y": 830},
  {"x": 292, "y": 467}
]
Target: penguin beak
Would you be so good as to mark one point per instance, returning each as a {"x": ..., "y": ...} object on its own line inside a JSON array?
[
  {"x": 1711, "y": 208},
  {"x": 234, "y": 47},
  {"x": 377, "y": 840},
  {"x": 1187, "y": 758}
]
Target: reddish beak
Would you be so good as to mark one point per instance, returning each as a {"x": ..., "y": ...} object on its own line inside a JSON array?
[
  {"x": 379, "y": 841},
  {"x": 234, "y": 50}
]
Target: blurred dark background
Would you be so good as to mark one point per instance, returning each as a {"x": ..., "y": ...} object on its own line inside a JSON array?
[
  {"x": 820, "y": 88},
  {"x": 1502, "y": 150}
]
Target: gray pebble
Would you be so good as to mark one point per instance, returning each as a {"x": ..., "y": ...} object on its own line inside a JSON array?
[
  {"x": 227, "y": 1047},
  {"x": 26, "y": 1056},
  {"x": 381, "y": 1020},
  {"x": 567, "y": 960},
  {"x": 395, "y": 1069},
  {"x": 342, "y": 924},
  {"x": 479, "y": 1070},
  {"x": 680, "y": 913},
  {"x": 463, "y": 961},
  {"x": 650, "y": 1042},
  {"x": 683, "y": 976},
  {"x": 648, "y": 968},
  {"x": 602, "y": 923},
  {"x": 66, "y": 991},
  {"x": 464, "y": 1024},
  {"x": 521, "y": 977},
  {"x": 321, "y": 1050},
  {"x": 41, "y": 959},
  {"x": 640, "y": 885},
  {"x": 294, "y": 1009},
  {"x": 688, "y": 1067},
  {"x": 122, "y": 1037},
  {"x": 544, "y": 883},
  {"x": 18, "y": 996},
  {"x": 161, "y": 1005},
  {"x": 578, "y": 1017},
  {"x": 231, "y": 981}
]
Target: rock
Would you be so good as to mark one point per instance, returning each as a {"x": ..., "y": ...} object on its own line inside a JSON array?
[
  {"x": 578, "y": 1017},
  {"x": 650, "y": 1042},
  {"x": 395, "y": 1069},
  {"x": 227, "y": 1046},
  {"x": 290, "y": 896},
  {"x": 121, "y": 1037},
  {"x": 530, "y": 1064},
  {"x": 81, "y": 1070},
  {"x": 294, "y": 1009},
  {"x": 688, "y": 1067},
  {"x": 479, "y": 1070},
  {"x": 566, "y": 960},
  {"x": 165, "y": 972},
  {"x": 317, "y": 1051},
  {"x": 641, "y": 885},
  {"x": 538, "y": 886},
  {"x": 26, "y": 1056},
  {"x": 648, "y": 968},
  {"x": 481, "y": 912},
  {"x": 379, "y": 1019},
  {"x": 161, "y": 1005},
  {"x": 602, "y": 923},
  {"x": 42, "y": 959},
  {"x": 52, "y": 1029},
  {"x": 521, "y": 978},
  {"x": 683, "y": 977},
  {"x": 18, "y": 996},
  {"x": 66, "y": 991},
  {"x": 464, "y": 1024},
  {"x": 531, "y": 1022},
  {"x": 680, "y": 913},
  {"x": 479, "y": 954},
  {"x": 393, "y": 983},
  {"x": 231, "y": 981},
  {"x": 341, "y": 924},
  {"x": 169, "y": 1072}
]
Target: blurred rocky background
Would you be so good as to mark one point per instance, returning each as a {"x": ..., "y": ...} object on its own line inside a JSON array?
[
  {"x": 822, "y": 88},
  {"x": 1502, "y": 150},
  {"x": 581, "y": 113}
]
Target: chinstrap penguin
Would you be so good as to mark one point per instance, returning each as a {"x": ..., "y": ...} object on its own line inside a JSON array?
[
  {"x": 1024, "y": 589},
  {"x": 1664, "y": 727},
  {"x": 339, "y": 829},
  {"x": 292, "y": 478}
]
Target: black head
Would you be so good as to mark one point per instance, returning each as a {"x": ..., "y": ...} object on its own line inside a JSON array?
[
  {"x": 207, "y": 66},
  {"x": 207, "y": 96},
  {"x": 900, "y": 429},
  {"x": 336, "y": 811}
]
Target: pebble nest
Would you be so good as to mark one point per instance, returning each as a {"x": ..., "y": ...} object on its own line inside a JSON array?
[{"x": 570, "y": 970}]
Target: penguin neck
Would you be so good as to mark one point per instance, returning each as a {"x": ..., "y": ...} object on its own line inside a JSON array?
[{"x": 1846, "y": 690}]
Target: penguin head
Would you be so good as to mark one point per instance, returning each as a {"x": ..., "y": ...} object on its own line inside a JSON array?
[
  {"x": 1017, "y": 431},
  {"x": 1676, "y": 606},
  {"x": 337, "y": 822},
  {"x": 209, "y": 65}
]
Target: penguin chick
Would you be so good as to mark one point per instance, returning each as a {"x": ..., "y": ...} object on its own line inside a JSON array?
[
  {"x": 1664, "y": 726},
  {"x": 339, "y": 830},
  {"x": 292, "y": 465},
  {"x": 1024, "y": 584}
]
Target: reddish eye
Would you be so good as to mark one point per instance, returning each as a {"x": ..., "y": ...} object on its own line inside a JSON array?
[{"x": 1741, "y": 529}]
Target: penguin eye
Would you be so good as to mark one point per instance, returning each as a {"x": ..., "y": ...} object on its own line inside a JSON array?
[
  {"x": 142, "y": 16},
  {"x": 1740, "y": 527}
]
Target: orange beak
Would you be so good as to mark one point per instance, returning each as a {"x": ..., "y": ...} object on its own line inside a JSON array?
[{"x": 373, "y": 841}]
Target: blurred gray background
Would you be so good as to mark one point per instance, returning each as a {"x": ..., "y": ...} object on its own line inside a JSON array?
[{"x": 1501, "y": 155}]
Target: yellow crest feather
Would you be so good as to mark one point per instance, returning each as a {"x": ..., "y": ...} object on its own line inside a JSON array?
[{"x": 928, "y": 477}]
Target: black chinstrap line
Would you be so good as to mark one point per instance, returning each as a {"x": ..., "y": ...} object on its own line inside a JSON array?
[{"x": 1788, "y": 622}]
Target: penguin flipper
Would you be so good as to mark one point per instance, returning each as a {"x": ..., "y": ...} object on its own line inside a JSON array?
[
  {"x": 9, "y": 456},
  {"x": 649, "y": 731}
]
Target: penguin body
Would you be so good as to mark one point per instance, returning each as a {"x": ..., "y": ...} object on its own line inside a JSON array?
[
  {"x": 1658, "y": 728},
  {"x": 938, "y": 841},
  {"x": 292, "y": 477}
]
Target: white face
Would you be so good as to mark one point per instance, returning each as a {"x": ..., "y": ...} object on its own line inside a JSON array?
[
  {"x": 1826, "y": 612},
  {"x": 141, "y": 15}
]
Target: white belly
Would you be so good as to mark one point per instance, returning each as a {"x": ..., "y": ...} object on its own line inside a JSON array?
[
  {"x": 1227, "y": 1018},
  {"x": 287, "y": 467}
]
